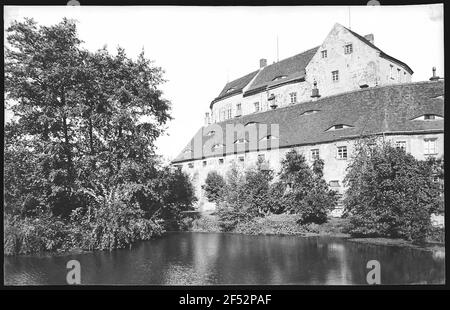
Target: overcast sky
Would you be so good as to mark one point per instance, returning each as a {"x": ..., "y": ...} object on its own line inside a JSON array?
[{"x": 200, "y": 48}]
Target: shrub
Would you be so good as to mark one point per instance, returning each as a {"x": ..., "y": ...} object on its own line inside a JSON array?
[
  {"x": 436, "y": 234},
  {"x": 25, "y": 235},
  {"x": 308, "y": 195},
  {"x": 390, "y": 193},
  {"x": 283, "y": 224},
  {"x": 213, "y": 187},
  {"x": 257, "y": 191},
  {"x": 316, "y": 204},
  {"x": 233, "y": 207},
  {"x": 113, "y": 221},
  {"x": 206, "y": 224}
]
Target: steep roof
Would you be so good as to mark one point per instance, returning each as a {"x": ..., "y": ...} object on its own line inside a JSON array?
[
  {"x": 375, "y": 110},
  {"x": 382, "y": 54},
  {"x": 291, "y": 69},
  {"x": 234, "y": 87}
]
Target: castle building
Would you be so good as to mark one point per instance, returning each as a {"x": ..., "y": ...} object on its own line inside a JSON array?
[{"x": 320, "y": 102}]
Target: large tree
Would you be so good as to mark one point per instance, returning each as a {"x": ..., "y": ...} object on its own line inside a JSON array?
[
  {"x": 84, "y": 116},
  {"x": 390, "y": 193}
]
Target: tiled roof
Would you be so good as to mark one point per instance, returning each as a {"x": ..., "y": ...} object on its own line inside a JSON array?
[
  {"x": 375, "y": 110},
  {"x": 234, "y": 87},
  {"x": 291, "y": 69},
  {"x": 382, "y": 54}
]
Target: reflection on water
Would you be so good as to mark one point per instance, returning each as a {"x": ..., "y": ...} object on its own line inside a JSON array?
[{"x": 214, "y": 258}]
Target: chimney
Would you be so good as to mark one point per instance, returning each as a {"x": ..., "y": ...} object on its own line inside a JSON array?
[
  {"x": 262, "y": 62},
  {"x": 370, "y": 38},
  {"x": 434, "y": 77},
  {"x": 315, "y": 91}
]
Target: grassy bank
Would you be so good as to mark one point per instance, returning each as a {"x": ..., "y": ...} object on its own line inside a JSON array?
[
  {"x": 274, "y": 224},
  {"x": 286, "y": 224}
]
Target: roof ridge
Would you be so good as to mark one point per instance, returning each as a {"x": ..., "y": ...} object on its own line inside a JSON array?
[{"x": 298, "y": 54}]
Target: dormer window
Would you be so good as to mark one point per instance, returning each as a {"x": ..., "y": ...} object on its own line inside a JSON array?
[
  {"x": 279, "y": 77},
  {"x": 309, "y": 112},
  {"x": 229, "y": 90},
  {"x": 210, "y": 133},
  {"x": 428, "y": 117},
  {"x": 348, "y": 49},
  {"x": 338, "y": 127},
  {"x": 269, "y": 137},
  {"x": 251, "y": 123},
  {"x": 239, "y": 141},
  {"x": 187, "y": 151},
  {"x": 217, "y": 146}
]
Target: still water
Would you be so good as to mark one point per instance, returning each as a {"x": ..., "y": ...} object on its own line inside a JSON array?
[{"x": 215, "y": 258}]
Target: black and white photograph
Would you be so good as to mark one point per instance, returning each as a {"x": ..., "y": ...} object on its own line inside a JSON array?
[{"x": 167, "y": 145}]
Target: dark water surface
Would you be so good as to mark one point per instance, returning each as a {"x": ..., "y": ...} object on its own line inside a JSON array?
[{"x": 215, "y": 258}]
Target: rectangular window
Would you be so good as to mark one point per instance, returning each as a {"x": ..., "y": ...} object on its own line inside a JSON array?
[
  {"x": 238, "y": 107},
  {"x": 315, "y": 154},
  {"x": 391, "y": 72},
  {"x": 342, "y": 152},
  {"x": 223, "y": 114},
  {"x": 399, "y": 76},
  {"x": 334, "y": 183},
  {"x": 241, "y": 159},
  {"x": 293, "y": 97},
  {"x": 229, "y": 113},
  {"x": 220, "y": 161},
  {"x": 335, "y": 75},
  {"x": 191, "y": 165},
  {"x": 204, "y": 163},
  {"x": 400, "y": 145},
  {"x": 256, "y": 106},
  {"x": 429, "y": 117},
  {"x": 324, "y": 54},
  {"x": 348, "y": 49},
  {"x": 261, "y": 157},
  {"x": 430, "y": 146}
]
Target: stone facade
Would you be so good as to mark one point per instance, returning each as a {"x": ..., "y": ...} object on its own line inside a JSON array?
[
  {"x": 372, "y": 94},
  {"x": 361, "y": 65},
  {"x": 334, "y": 167}
]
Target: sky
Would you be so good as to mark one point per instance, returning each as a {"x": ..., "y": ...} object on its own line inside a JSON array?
[{"x": 201, "y": 48}]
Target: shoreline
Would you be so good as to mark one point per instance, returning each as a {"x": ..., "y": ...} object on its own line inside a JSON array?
[
  {"x": 332, "y": 228},
  {"x": 272, "y": 225}
]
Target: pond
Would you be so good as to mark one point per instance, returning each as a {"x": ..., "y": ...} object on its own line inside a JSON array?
[{"x": 218, "y": 258}]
